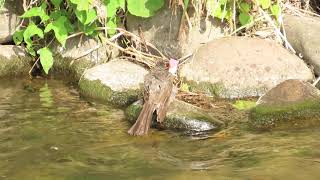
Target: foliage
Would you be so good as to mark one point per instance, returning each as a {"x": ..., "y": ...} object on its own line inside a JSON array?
[
  {"x": 2, "y": 3},
  {"x": 185, "y": 87},
  {"x": 50, "y": 20},
  {"x": 151, "y": 6},
  {"x": 244, "y": 9},
  {"x": 244, "y": 105},
  {"x": 58, "y": 19}
]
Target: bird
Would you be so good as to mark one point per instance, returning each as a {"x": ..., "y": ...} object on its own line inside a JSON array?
[{"x": 159, "y": 92}]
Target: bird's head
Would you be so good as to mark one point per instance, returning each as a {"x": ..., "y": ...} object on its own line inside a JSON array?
[{"x": 173, "y": 66}]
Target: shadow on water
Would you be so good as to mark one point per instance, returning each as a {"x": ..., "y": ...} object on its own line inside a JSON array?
[{"x": 48, "y": 132}]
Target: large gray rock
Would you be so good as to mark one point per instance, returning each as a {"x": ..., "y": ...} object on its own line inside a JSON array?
[
  {"x": 118, "y": 82},
  {"x": 13, "y": 61},
  {"x": 163, "y": 28},
  {"x": 303, "y": 35},
  {"x": 79, "y": 55},
  {"x": 87, "y": 48},
  {"x": 9, "y": 19},
  {"x": 181, "y": 116},
  {"x": 237, "y": 67},
  {"x": 291, "y": 104}
]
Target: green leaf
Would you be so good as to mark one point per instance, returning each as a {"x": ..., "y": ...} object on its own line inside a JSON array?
[
  {"x": 275, "y": 10},
  {"x": 245, "y": 7},
  {"x": 245, "y": 19},
  {"x": 223, "y": 2},
  {"x": 122, "y": 4},
  {"x": 144, "y": 8},
  {"x": 112, "y": 6},
  {"x": 91, "y": 16},
  {"x": 37, "y": 11},
  {"x": 88, "y": 29},
  {"x": 30, "y": 50},
  {"x": 244, "y": 105},
  {"x": 86, "y": 17},
  {"x": 46, "y": 59},
  {"x": 54, "y": 15},
  {"x": 82, "y": 5},
  {"x": 265, "y": 4},
  {"x": 2, "y": 3},
  {"x": 217, "y": 10},
  {"x": 185, "y": 87},
  {"x": 60, "y": 28},
  {"x": 81, "y": 15},
  {"x": 112, "y": 23},
  {"x": 185, "y": 4},
  {"x": 18, "y": 37},
  {"x": 56, "y": 3},
  {"x": 30, "y": 31}
]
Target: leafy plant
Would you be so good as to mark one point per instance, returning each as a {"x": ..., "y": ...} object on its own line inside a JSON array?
[
  {"x": 224, "y": 9},
  {"x": 2, "y": 3},
  {"x": 58, "y": 19}
]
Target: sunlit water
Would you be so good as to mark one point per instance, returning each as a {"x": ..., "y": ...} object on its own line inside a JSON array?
[{"x": 48, "y": 132}]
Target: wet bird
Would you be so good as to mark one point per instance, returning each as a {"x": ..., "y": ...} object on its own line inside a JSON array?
[{"x": 159, "y": 91}]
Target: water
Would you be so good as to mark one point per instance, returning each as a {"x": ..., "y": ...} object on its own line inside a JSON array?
[{"x": 48, "y": 132}]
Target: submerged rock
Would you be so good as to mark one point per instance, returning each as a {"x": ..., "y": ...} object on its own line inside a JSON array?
[
  {"x": 181, "y": 116},
  {"x": 291, "y": 104},
  {"x": 305, "y": 40},
  {"x": 13, "y": 61},
  {"x": 118, "y": 82},
  {"x": 238, "y": 67}
]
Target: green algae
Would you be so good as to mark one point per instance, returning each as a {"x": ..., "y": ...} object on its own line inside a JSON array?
[
  {"x": 96, "y": 90},
  {"x": 244, "y": 104},
  {"x": 297, "y": 115},
  {"x": 14, "y": 66},
  {"x": 69, "y": 68},
  {"x": 216, "y": 89}
]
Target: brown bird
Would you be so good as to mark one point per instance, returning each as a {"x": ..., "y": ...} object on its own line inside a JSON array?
[{"x": 159, "y": 91}]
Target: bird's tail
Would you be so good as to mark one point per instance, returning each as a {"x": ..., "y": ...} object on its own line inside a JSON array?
[{"x": 142, "y": 125}]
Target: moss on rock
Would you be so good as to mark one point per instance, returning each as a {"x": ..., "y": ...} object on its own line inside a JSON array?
[
  {"x": 95, "y": 89},
  {"x": 70, "y": 69},
  {"x": 216, "y": 89},
  {"x": 14, "y": 66},
  {"x": 297, "y": 115}
]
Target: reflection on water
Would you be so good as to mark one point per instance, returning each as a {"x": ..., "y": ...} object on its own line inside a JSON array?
[{"x": 48, "y": 132}]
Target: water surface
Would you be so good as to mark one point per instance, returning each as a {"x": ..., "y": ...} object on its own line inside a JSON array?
[{"x": 48, "y": 132}]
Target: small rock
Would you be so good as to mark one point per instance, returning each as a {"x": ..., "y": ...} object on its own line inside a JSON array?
[
  {"x": 238, "y": 67},
  {"x": 291, "y": 104},
  {"x": 54, "y": 148},
  {"x": 181, "y": 116},
  {"x": 305, "y": 40},
  {"x": 118, "y": 82}
]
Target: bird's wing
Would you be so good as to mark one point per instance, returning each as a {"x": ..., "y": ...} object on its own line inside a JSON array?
[{"x": 166, "y": 96}]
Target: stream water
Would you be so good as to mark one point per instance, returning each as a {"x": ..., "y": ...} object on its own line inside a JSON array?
[{"x": 48, "y": 132}]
